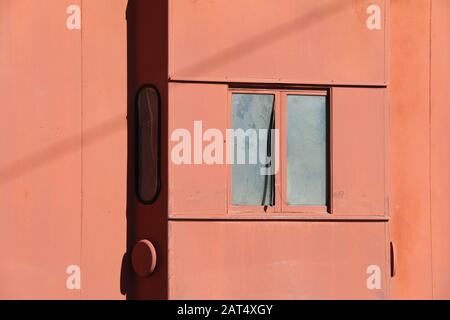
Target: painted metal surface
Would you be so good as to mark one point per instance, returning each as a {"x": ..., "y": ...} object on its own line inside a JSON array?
[
  {"x": 62, "y": 169},
  {"x": 147, "y": 39},
  {"x": 40, "y": 151},
  {"x": 104, "y": 147},
  {"x": 275, "y": 260},
  {"x": 189, "y": 184},
  {"x": 439, "y": 148},
  {"x": 63, "y": 165},
  {"x": 410, "y": 148},
  {"x": 358, "y": 151},
  {"x": 290, "y": 41},
  {"x": 144, "y": 258}
]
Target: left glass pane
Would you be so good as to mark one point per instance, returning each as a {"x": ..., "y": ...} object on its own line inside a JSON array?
[
  {"x": 148, "y": 144},
  {"x": 253, "y": 118}
]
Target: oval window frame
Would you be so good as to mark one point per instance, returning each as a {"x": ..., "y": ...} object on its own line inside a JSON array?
[{"x": 138, "y": 160}]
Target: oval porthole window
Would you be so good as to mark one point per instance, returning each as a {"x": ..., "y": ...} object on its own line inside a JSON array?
[{"x": 148, "y": 148}]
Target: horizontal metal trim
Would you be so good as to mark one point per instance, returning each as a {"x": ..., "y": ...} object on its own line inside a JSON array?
[
  {"x": 272, "y": 217},
  {"x": 256, "y": 83}
]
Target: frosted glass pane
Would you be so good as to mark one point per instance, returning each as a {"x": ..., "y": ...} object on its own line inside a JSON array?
[
  {"x": 249, "y": 187},
  {"x": 306, "y": 150}
]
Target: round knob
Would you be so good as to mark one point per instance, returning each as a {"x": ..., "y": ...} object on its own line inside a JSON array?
[{"x": 143, "y": 258}]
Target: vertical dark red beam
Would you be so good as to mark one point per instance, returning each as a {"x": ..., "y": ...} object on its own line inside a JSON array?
[{"x": 147, "y": 23}]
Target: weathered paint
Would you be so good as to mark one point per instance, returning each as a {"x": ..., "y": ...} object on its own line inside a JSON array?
[
  {"x": 359, "y": 134},
  {"x": 63, "y": 163},
  {"x": 189, "y": 184},
  {"x": 275, "y": 260},
  {"x": 103, "y": 147},
  {"x": 292, "y": 41},
  {"x": 63, "y": 170},
  {"x": 440, "y": 148},
  {"x": 410, "y": 148},
  {"x": 147, "y": 37},
  {"x": 40, "y": 86}
]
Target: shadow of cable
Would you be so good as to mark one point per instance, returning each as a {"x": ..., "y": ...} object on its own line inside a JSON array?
[
  {"x": 260, "y": 40},
  {"x": 55, "y": 151}
]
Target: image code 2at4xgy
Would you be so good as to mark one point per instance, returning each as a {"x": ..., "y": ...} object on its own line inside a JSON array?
[{"x": 232, "y": 309}]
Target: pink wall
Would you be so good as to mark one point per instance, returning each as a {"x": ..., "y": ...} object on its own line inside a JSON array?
[
  {"x": 419, "y": 76},
  {"x": 273, "y": 41},
  {"x": 63, "y": 142},
  {"x": 275, "y": 260},
  {"x": 440, "y": 148}
]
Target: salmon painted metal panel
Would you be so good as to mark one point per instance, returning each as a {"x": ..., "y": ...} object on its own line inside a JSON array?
[
  {"x": 358, "y": 151},
  {"x": 63, "y": 111},
  {"x": 440, "y": 148},
  {"x": 291, "y": 41},
  {"x": 62, "y": 178},
  {"x": 410, "y": 148},
  {"x": 276, "y": 260},
  {"x": 104, "y": 146},
  {"x": 40, "y": 163},
  {"x": 197, "y": 188}
]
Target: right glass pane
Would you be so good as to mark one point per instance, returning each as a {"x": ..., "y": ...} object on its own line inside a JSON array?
[{"x": 306, "y": 154}]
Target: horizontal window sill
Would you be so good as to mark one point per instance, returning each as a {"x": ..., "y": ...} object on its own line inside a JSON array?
[{"x": 278, "y": 217}]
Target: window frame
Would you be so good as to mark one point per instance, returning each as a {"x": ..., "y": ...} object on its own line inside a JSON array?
[
  {"x": 285, "y": 207},
  {"x": 281, "y": 208},
  {"x": 240, "y": 209}
]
